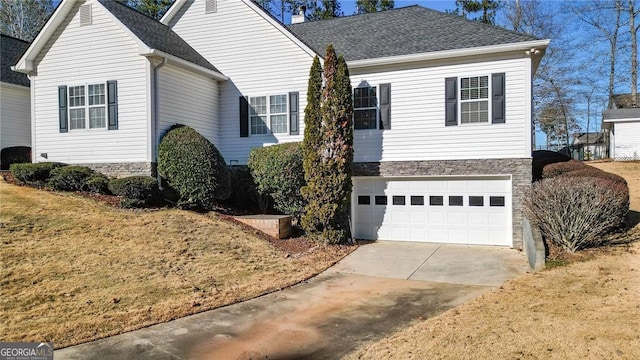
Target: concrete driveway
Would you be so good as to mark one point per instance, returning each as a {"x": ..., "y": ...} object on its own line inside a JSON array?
[{"x": 377, "y": 290}]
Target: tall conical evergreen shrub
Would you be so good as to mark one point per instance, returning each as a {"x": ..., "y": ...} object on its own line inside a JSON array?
[
  {"x": 328, "y": 178},
  {"x": 311, "y": 143}
]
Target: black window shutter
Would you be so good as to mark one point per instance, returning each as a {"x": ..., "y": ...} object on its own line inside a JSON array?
[
  {"x": 497, "y": 98},
  {"x": 294, "y": 113},
  {"x": 62, "y": 109},
  {"x": 244, "y": 117},
  {"x": 112, "y": 104},
  {"x": 385, "y": 106},
  {"x": 451, "y": 101}
]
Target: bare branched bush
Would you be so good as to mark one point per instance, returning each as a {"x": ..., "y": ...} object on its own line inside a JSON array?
[
  {"x": 576, "y": 213},
  {"x": 557, "y": 169}
]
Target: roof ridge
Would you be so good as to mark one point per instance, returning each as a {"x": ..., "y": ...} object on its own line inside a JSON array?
[
  {"x": 134, "y": 9},
  {"x": 356, "y": 14}
]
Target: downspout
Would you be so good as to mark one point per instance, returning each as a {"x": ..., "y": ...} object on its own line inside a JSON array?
[{"x": 156, "y": 141}]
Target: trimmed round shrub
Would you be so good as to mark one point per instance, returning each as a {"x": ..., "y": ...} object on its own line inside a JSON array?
[
  {"x": 98, "y": 183},
  {"x": 70, "y": 178},
  {"x": 192, "y": 166},
  {"x": 277, "y": 172},
  {"x": 14, "y": 155},
  {"x": 593, "y": 172},
  {"x": 542, "y": 158},
  {"x": 36, "y": 174},
  {"x": 557, "y": 169},
  {"x": 576, "y": 213},
  {"x": 136, "y": 191}
]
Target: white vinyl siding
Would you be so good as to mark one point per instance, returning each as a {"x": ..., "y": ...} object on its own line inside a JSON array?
[
  {"x": 15, "y": 116},
  {"x": 258, "y": 58},
  {"x": 189, "y": 99},
  {"x": 419, "y": 133},
  {"x": 81, "y": 55},
  {"x": 626, "y": 143}
]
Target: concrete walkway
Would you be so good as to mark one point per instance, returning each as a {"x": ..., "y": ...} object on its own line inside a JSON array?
[{"x": 377, "y": 290}]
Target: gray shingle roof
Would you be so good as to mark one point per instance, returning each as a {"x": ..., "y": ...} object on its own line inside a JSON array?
[
  {"x": 155, "y": 34},
  {"x": 402, "y": 31},
  {"x": 10, "y": 50},
  {"x": 621, "y": 114}
]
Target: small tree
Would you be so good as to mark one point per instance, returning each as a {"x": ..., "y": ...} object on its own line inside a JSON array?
[
  {"x": 329, "y": 162},
  {"x": 278, "y": 172}
]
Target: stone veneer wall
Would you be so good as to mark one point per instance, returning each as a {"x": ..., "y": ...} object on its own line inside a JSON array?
[
  {"x": 124, "y": 169},
  {"x": 519, "y": 169}
]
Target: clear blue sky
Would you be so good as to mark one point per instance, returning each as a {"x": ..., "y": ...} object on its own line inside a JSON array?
[{"x": 348, "y": 7}]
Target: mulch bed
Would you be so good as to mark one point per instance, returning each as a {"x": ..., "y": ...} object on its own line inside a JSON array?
[{"x": 296, "y": 246}]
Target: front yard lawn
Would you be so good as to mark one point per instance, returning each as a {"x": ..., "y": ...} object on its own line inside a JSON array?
[{"x": 75, "y": 270}]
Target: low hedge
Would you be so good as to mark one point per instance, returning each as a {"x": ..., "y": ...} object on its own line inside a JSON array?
[
  {"x": 590, "y": 171},
  {"x": 542, "y": 158},
  {"x": 98, "y": 183},
  {"x": 70, "y": 178},
  {"x": 576, "y": 212},
  {"x": 136, "y": 191},
  {"x": 36, "y": 174},
  {"x": 14, "y": 155},
  {"x": 560, "y": 168}
]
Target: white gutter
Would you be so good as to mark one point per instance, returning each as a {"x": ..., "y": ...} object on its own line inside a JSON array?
[
  {"x": 483, "y": 50},
  {"x": 186, "y": 64},
  {"x": 156, "y": 142}
]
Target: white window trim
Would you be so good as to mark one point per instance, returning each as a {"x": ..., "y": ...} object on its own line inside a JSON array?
[
  {"x": 460, "y": 101},
  {"x": 377, "y": 108},
  {"x": 268, "y": 114},
  {"x": 86, "y": 107}
]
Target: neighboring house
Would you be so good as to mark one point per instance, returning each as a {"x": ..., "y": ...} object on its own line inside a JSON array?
[
  {"x": 589, "y": 146},
  {"x": 15, "y": 108},
  {"x": 622, "y": 126},
  {"x": 442, "y": 105}
]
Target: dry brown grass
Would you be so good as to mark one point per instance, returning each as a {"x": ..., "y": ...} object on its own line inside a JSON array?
[
  {"x": 75, "y": 270},
  {"x": 586, "y": 310}
]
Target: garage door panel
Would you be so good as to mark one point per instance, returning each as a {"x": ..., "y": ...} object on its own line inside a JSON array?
[{"x": 430, "y": 210}]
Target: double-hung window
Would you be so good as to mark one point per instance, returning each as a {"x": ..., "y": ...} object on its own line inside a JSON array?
[
  {"x": 474, "y": 100},
  {"x": 87, "y": 102},
  {"x": 268, "y": 114},
  {"x": 258, "y": 117},
  {"x": 365, "y": 108},
  {"x": 278, "y": 113}
]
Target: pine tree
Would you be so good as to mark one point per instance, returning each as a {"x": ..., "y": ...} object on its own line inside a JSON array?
[
  {"x": 23, "y": 19},
  {"x": 371, "y": 6},
  {"x": 328, "y": 187}
]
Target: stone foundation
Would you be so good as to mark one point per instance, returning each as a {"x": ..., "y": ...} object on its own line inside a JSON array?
[
  {"x": 119, "y": 170},
  {"x": 519, "y": 169}
]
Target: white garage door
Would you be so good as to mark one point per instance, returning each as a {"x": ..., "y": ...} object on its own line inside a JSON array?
[{"x": 447, "y": 210}]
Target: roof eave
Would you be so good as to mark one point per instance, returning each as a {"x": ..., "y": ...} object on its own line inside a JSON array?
[
  {"x": 171, "y": 12},
  {"x": 25, "y": 63},
  {"x": 435, "y": 55},
  {"x": 186, "y": 64}
]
